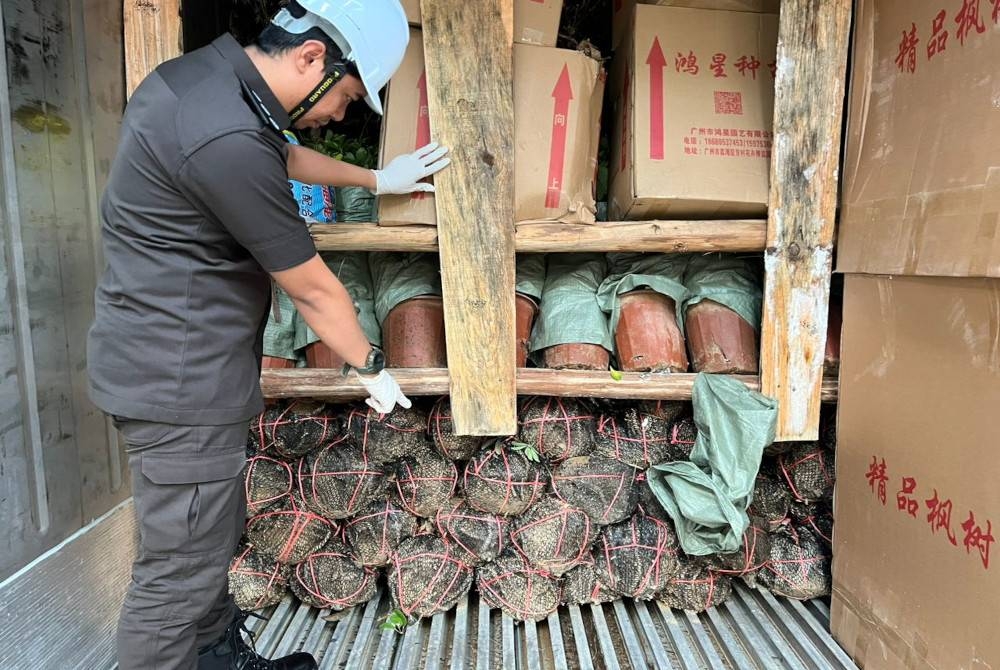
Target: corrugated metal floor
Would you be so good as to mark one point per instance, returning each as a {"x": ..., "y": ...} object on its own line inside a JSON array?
[{"x": 61, "y": 612}]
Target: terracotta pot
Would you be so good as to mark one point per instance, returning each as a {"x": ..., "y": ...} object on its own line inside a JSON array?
[
  {"x": 413, "y": 334},
  {"x": 648, "y": 337},
  {"x": 276, "y": 363},
  {"x": 831, "y": 358},
  {"x": 720, "y": 341},
  {"x": 318, "y": 355},
  {"x": 525, "y": 310},
  {"x": 577, "y": 357}
]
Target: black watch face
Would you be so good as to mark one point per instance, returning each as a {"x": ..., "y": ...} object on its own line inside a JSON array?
[{"x": 376, "y": 359}]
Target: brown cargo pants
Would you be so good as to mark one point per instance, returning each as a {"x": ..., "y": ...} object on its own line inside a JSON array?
[{"x": 188, "y": 491}]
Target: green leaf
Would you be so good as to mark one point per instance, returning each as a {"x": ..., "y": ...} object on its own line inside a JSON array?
[
  {"x": 519, "y": 446},
  {"x": 616, "y": 375}
]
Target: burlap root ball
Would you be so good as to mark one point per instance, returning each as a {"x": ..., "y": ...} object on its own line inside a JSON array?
[
  {"x": 770, "y": 500},
  {"x": 649, "y": 504},
  {"x": 427, "y": 577},
  {"x": 513, "y": 585},
  {"x": 552, "y": 536},
  {"x": 752, "y": 556},
  {"x": 808, "y": 471},
  {"x": 502, "y": 481},
  {"x": 377, "y": 531},
  {"x": 557, "y": 428},
  {"x": 288, "y": 533},
  {"x": 441, "y": 428},
  {"x": 605, "y": 489},
  {"x": 292, "y": 430},
  {"x": 425, "y": 483},
  {"x": 696, "y": 588},
  {"x": 269, "y": 482},
  {"x": 798, "y": 567},
  {"x": 256, "y": 581},
  {"x": 634, "y": 437},
  {"x": 683, "y": 434},
  {"x": 583, "y": 585},
  {"x": 330, "y": 579},
  {"x": 389, "y": 437},
  {"x": 637, "y": 557},
  {"x": 339, "y": 480},
  {"x": 476, "y": 537},
  {"x": 667, "y": 410}
]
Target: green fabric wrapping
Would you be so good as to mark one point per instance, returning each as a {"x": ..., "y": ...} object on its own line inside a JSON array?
[
  {"x": 707, "y": 497},
  {"x": 662, "y": 273},
  {"x": 399, "y": 277},
  {"x": 569, "y": 312},
  {"x": 355, "y": 204},
  {"x": 351, "y": 269},
  {"x": 529, "y": 276},
  {"x": 728, "y": 280},
  {"x": 279, "y": 333}
]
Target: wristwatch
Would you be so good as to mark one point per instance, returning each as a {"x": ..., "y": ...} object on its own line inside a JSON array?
[{"x": 374, "y": 364}]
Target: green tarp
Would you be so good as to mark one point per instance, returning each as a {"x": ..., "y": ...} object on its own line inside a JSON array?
[
  {"x": 355, "y": 204},
  {"x": 352, "y": 270},
  {"x": 399, "y": 277},
  {"x": 569, "y": 310},
  {"x": 279, "y": 333},
  {"x": 728, "y": 280},
  {"x": 707, "y": 497},
  {"x": 529, "y": 276}
]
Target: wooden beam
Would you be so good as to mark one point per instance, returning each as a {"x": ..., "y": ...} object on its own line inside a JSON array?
[
  {"x": 152, "y": 35},
  {"x": 372, "y": 237},
  {"x": 809, "y": 102},
  {"x": 660, "y": 236},
  {"x": 469, "y": 89},
  {"x": 332, "y": 385}
]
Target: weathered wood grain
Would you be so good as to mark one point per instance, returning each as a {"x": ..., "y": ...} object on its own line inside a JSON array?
[
  {"x": 469, "y": 89},
  {"x": 809, "y": 102},
  {"x": 152, "y": 35},
  {"x": 372, "y": 237}
]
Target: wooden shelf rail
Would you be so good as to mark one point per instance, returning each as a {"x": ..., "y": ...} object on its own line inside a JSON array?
[
  {"x": 331, "y": 385},
  {"x": 651, "y": 236}
]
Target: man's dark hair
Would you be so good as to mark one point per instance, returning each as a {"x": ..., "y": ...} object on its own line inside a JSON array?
[{"x": 275, "y": 41}]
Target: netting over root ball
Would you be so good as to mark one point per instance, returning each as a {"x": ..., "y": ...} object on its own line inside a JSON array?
[
  {"x": 752, "y": 556},
  {"x": 377, "y": 531},
  {"x": 696, "y": 588},
  {"x": 634, "y": 437},
  {"x": 683, "y": 433},
  {"x": 389, "y": 437},
  {"x": 427, "y": 577},
  {"x": 256, "y": 581},
  {"x": 288, "y": 533},
  {"x": 799, "y": 565},
  {"x": 605, "y": 489},
  {"x": 558, "y": 428},
  {"x": 649, "y": 504},
  {"x": 329, "y": 578},
  {"x": 770, "y": 500},
  {"x": 583, "y": 585},
  {"x": 476, "y": 537},
  {"x": 339, "y": 480},
  {"x": 808, "y": 471},
  {"x": 441, "y": 428},
  {"x": 552, "y": 535},
  {"x": 668, "y": 410},
  {"x": 637, "y": 557},
  {"x": 513, "y": 585},
  {"x": 502, "y": 481},
  {"x": 425, "y": 483},
  {"x": 269, "y": 481},
  {"x": 294, "y": 429}
]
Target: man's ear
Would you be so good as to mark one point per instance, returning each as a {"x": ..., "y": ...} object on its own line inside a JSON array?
[{"x": 310, "y": 53}]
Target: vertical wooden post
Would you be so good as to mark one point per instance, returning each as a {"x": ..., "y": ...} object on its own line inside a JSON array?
[
  {"x": 152, "y": 35},
  {"x": 809, "y": 101},
  {"x": 467, "y": 49}
]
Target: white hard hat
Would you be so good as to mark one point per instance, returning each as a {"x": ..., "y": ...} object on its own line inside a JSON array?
[{"x": 372, "y": 34}]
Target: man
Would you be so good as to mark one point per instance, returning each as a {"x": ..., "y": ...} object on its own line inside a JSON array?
[{"x": 198, "y": 219}]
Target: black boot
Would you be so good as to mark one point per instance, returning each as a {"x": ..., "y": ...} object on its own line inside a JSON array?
[{"x": 232, "y": 652}]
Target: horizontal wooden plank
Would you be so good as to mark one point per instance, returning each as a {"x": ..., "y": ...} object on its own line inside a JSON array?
[
  {"x": 331, "y": 385},
  {"x": 658, "y": 236}
]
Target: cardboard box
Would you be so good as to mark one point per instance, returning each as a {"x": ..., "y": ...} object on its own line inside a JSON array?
[
  {"x": 558, "y": 96},
  {"x": 916, "y": 577},
  {"x": 694, "y": 93},
  {"x": 535, "y": 21},
  {"x": 622, "y": 10},
  {"x": 921, "y": 190},
  {"x": 406, "y": 126}
]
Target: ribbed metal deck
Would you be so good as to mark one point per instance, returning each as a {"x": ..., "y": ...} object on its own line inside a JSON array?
[{"x": 60, "y": 613}]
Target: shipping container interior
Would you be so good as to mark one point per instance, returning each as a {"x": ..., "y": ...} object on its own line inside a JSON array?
[{"x": 69, "y": 66}]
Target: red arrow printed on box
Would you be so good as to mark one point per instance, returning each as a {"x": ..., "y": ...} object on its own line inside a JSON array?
[
  {"x": 423, "y": 123},
  {"x": 656, "y": 63},
  {"x": 562, "y": 93}
]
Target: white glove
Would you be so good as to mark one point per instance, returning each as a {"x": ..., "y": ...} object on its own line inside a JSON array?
[
  {"x": 403, "y": 174},
  {"x": 384, "y": 392}
]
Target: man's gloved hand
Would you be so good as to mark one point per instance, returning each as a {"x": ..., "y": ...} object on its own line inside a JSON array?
[
  {"x": 384, "y": 392},
  {"x": 403, "y": 174}
]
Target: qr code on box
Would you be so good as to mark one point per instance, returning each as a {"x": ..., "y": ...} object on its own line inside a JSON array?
[{"x": 728, "y": 102}]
